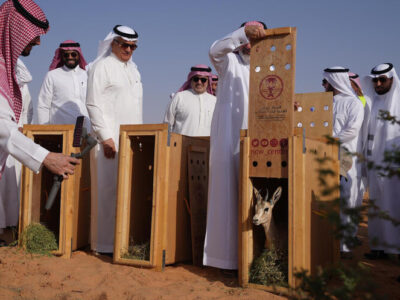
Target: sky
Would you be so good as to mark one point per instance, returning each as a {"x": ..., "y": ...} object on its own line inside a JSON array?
[{"x": 175, "y": 35}]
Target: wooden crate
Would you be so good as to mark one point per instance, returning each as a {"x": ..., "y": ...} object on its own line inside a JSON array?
[
  {"x": 69, "y": 217},
  {"x": 152, "y": 196},
  {"x": 280, "y": 148}
]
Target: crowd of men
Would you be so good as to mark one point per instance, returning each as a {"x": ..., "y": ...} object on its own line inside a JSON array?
[{"x": 108, "y": 92}]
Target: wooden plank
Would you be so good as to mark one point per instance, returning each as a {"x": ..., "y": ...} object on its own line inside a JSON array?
[
  {"x": 314, "y": 114},
  {"x": 278, "y": 31},
  {"x": 198, "y": 195},
  {"x": 271, "y": 101},
  {"x": 245, "y": 251}
]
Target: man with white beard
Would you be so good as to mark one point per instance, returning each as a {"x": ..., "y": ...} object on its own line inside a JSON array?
[
  {"x": 114, "y": 97},
  {"x": 231, "y": 59},
  {"x": 191, "y": 109},
  {"x": 348, "y": 116},
  {"x": 383, "y": 87},
  {"x": 62, "y": 97}
]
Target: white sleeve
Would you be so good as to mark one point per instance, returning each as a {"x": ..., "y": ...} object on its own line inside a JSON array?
[
  {"x": 221, "y": 48},
  {"x": 97, "y": 83},
  {"x": 44, "y": 100},
  {"x": 171, "y": 112},
  {"x": 354, "y": 122},
  {"x": 15, "y": 143}
]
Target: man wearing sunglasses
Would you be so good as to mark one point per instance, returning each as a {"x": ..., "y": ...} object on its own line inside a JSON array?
[
  {"x": 348, "y": 116},
  {"x": 383, "y": 87},
  {"x": 62, "y": 97},
  {"x": 231, "y": 59},
  {"x": 114, "y": 97},
  {"x": 190, "y": 110}
]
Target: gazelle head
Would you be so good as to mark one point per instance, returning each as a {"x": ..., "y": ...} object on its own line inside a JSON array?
[{"x": 264, "y": 207}]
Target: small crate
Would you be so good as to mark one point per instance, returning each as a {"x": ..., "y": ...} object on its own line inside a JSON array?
[
  {"x": 153, "y": 220},
  {"x": 69, "y": 217}
]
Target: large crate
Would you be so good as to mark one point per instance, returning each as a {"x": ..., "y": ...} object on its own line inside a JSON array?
[
  {"x": 153, "y": 221},
  {"x": 281, "y": 148},
  {"x": 69, "y": 217}
]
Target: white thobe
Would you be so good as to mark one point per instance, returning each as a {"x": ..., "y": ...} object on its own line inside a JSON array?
[
  {"x": 384, "y": 190},
  {"x": 114, "y": 97},
  {"x": 10, "y": 181},
  {"x": 190, "y": 113},
  {"x": 348, "y": 116},
  {"x": 19, "y": 146},
  {"x": 62, "y": 97},
  {"x": 230, "y": 116}
]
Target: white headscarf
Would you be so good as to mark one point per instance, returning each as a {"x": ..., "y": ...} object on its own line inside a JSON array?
[
  {"x": 124, "y": 32},
  {"x": 385, "y": 134},
  {"x": 338, "y": 78}
]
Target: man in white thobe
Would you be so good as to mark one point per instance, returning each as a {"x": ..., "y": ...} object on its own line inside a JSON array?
[
  {"x": 21, "y": 25},
  {"x": 114, "y": 97},
  {"x": 62, "y": 97},
  {"x": 190, "y": 110},
  {"x": 10, "y": 180},
  {"x": 231, "y": 58},
  {"x": 348, "y": 116},
  {"x": 383, "y": 87}
]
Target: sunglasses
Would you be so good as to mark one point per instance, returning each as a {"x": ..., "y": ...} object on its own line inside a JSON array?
[
  {"x": 126, "y": 45},
  {"x": 196, "y": 79},
  {"x": 381, "y": 79},
  {"x": 72, "y": 54}
]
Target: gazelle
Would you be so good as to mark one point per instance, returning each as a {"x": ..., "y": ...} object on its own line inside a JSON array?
[{"x": 274, "y": 238}]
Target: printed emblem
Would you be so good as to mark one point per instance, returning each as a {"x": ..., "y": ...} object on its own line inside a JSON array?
[
  {"x": 271, "y": 87},
  {"x": 273, "y": 142},
  {"x": 255, "y": 142},
  {"x": 283, "y": 142},
  {"x": 264, "y": 142}
]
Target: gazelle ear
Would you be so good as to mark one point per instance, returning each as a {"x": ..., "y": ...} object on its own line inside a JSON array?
[
  {"x": 257, "y": 193},
  {"x": 266, "y": 196},
  {"x": 276, "y": 196}
]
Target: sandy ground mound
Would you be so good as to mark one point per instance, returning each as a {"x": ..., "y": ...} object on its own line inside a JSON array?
[{"x": 85, "y": 276}]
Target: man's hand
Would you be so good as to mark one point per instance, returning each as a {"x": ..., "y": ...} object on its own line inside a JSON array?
[
  {"x": 254, "y": 32},
  {"x": 60, "y": 164},
  {"x": 109, "y": 148}
]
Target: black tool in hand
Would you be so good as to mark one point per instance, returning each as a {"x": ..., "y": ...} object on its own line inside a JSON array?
[{"x": 80, "y": 135}]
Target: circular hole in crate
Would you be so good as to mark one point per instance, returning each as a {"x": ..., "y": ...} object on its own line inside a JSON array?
[
  {"x": 174, "y": 144},
  {"x": 257, "y": 69},
  {"x": 312, "y": 108},
  {"x": 312, "y": 124},
  {"x": 198, "y": 162},
  {"x": 299, "y": 108},
  {"x": 192, "y": 178},
  {"x": 273, "y": 48},
  {"x": 198, "y": 177},
  {"x": 191, "y": 161},
  {"x": 255, "y": 164},
  {"x": 284, "y": 164},
  {"x": 326, "y": 107},
  {"x": 272, "y": 68},
  {"x": 204, "y": 162},
  {"x": 326, "y": 124},
  {"x": 204, "y": 177},
  {"x": 287, "y": 66},
  {"x": 288, "y": 47},
  {"x": 269, "y": 164},
  {"x": 299, "y": 124}
]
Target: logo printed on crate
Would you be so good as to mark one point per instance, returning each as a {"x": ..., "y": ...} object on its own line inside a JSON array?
[
  {"x": 255, "y": 142},
  {"x": 273, "y": 142},
  {"x": 264, "y": 142},
  {"x": 283, "y": 143},
  {"x": 271, "y": 87}
]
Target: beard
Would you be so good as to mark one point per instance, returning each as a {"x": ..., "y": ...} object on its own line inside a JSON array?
[{"x": 71, "y": 64}]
